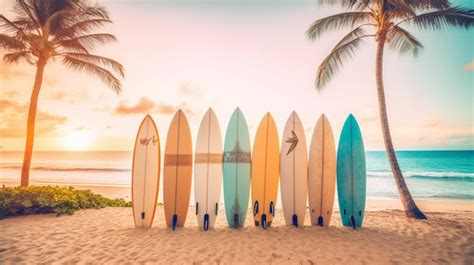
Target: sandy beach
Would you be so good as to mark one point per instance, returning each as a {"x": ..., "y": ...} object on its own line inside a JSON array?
[{"x": 108, "y": 236}]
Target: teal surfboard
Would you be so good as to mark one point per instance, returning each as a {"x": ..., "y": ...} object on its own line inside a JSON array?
[
  {"x": 236, "y": 169},
  {"x": 351, "y": 174}
]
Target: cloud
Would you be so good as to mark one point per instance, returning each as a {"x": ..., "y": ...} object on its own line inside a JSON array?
[
  {"x": 146, "y": 105},
  {"x": 14, "y": 116},
  {"x": 469, "y": 66},
  {"x": 185, "y": 89}
]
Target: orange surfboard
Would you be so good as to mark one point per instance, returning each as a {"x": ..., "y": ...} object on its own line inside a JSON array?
[
  {"x": 177, "y": 175},
  {"x": 265, "y": 172}
]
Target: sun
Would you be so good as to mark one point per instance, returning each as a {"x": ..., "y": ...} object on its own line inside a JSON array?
[{"x": 77, "y": 140}]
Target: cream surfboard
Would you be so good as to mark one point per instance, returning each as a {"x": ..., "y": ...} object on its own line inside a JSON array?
[
  {"x": 322, "y": 173},
  {"x": 294, "y": 171},
  {"x": 208, "y": 170},
  {"x": 145, "y": 173},
  {"x": 177, "y": 173},
  {"x": 265, "y": 172}
]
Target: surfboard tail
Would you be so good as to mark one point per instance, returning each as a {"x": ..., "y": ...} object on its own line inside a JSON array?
[
  {"x": 295, "y": 220},
  {"x": 320, "y": 221},
  {"x": 175, "y": 221}
]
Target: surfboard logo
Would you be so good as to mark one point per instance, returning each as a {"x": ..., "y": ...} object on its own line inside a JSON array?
[
  {"x": 237, "y": 155},
  {"x": 146, "y": 141},
  {"x": 293, "y": 140}
]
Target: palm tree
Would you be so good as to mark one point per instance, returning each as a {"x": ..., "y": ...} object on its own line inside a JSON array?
[
  {"x": 45, "y": 30},
  {"x": 383, "y": 21}
]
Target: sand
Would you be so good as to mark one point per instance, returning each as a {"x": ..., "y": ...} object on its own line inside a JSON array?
[{"x": 108, "y": 236}]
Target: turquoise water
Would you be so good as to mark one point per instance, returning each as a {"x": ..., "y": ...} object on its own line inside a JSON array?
[{"x": 429, "y": 174}]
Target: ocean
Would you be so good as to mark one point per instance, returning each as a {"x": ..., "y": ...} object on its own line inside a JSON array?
[{"x": 429, "y": 174}]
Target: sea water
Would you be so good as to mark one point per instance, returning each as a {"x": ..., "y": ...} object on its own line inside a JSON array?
[{"x": 429, "y": 174}]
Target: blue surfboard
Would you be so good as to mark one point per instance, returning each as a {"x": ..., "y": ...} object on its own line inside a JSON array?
[
  {"x": 351, "y": 174},
  {"x": 236, "y": 169}
]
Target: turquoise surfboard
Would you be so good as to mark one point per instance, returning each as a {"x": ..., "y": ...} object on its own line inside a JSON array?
[
  {"x": 236, "y": 169},
  {"x": 351, "y": 174}
]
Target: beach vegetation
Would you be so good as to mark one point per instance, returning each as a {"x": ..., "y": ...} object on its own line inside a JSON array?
[{"x": 51, "y": 199}]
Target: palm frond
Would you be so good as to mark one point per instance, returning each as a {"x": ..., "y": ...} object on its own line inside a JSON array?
[
  {"x": 344, "y": 50},
  {"x": 81, "y": 27},
  {"x": 90, "y": 41},
  {"x": 443, "y": 19},
  {"x": 403, "y": 42},
  {"x": 350, "y": 4},
  {"x": 96, "y": 59},
  {"x": 10, "y": 43},
  {"x": 103, "y": 74},
  {"x": 348, "y": 19},
  {"x": 428, "y": 4},
  {"x": 71, "y": 46},
  {"x": 14, "y": 57}
]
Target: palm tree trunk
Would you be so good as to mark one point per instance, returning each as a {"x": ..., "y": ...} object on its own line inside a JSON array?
[
  {"x": 409, "y": 204},
  {"x": 30, "y": 127}
]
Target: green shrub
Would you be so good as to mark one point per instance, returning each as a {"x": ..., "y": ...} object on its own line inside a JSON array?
[{"x": 51, "y": 199}]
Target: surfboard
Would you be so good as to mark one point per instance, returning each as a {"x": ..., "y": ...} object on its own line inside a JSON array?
[
  {"x": 208, "y": 170},
  {"x": 322, "y": 173},
  {"x": 351, "y": 174},
  {"x": 145, "y": 173},
  {"x": 177, "y": 173},
  {"x": 265, "y": 172},
  {"x": 294, "y": 171},
  {"x": 237, "y": 170}
]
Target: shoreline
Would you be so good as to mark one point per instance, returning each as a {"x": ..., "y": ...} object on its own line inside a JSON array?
[{"x": 372, "y": 203}]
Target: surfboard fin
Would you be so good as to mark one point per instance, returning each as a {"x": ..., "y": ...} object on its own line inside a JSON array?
[
  {"x": 264, "y": 221},
  {"x": 175, "y": 221},
  {"x": 295, "y": 220},
  {"x": 197, "y": 208},
  {"x": 217, "y": 208},
  {"x": 272, "y": 209},
  {"x": 353, "y": 221},
  {"x": 143, "y": 215},
  {"x": 255, "y": 208},
  {"x": 320, "y": 221},
  {"x": 236, "y": 220},
  {"x": 206, "y": 222}
]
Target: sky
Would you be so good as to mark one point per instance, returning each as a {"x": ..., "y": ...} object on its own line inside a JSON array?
[{"x": 249, "y": 54}]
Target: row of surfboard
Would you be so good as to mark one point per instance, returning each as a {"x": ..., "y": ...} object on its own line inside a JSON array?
[{"x": 260, "y": 172}]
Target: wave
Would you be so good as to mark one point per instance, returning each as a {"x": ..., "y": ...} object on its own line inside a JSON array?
[
  {"x": 73, "y": 169},
  {"x": 427, "y": 175}
]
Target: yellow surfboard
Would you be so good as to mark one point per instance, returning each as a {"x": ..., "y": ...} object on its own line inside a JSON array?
[{"x": 265, "y": 172}]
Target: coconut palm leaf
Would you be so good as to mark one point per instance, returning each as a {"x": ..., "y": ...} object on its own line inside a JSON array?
[
  {"x": 95, "y": 59},
  {"x": 14, "y": 57},
  {"x": 90, "y": 41},
  {"x": 11, "y": 43},
  {"x": 105, "y": 75},
  {"x": 443, "y": 19},
  {"x": 348, "y": 19},
  {"x": 344, "y": 50},
  {"x": 83, "y": 26},
  {"x": 403, "y": 42}
]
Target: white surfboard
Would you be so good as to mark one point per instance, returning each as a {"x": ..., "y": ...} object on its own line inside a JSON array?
[
  {"x": 208, "y": 170},
  {"x": 145, "y": 173},
  {"x": 294, "y": 171}
]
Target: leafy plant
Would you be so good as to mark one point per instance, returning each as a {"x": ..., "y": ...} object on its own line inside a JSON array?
[{"x": 52, "y": 199}]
